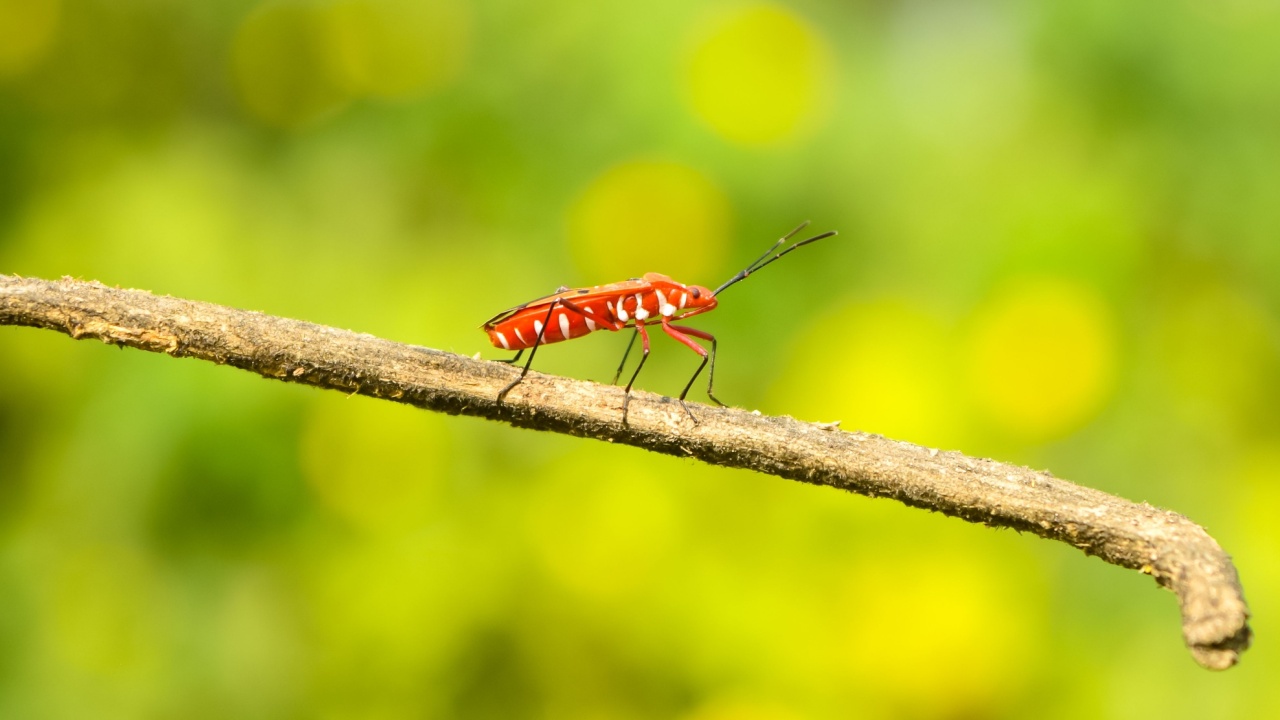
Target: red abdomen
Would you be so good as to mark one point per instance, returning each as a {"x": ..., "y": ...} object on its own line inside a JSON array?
[{"x": 579, "y": 313}]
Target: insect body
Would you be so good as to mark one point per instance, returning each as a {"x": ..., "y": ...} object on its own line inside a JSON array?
[
  {"x": 638, "y": 303},
  {"x": 570, "y": 314}
]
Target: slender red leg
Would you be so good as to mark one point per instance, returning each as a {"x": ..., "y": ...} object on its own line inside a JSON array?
[
  {"x": 682, "y": 334},
  {"x": 644, "y": 338}
]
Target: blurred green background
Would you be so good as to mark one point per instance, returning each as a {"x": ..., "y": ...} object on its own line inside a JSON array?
[{"x": 1060, "y": 246}]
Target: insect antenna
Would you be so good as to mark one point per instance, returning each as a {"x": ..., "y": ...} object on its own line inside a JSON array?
[{"x": 769, "y": 255}]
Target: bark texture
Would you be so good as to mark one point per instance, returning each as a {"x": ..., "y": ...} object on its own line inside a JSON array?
[{"x": 1179, "y": 554}]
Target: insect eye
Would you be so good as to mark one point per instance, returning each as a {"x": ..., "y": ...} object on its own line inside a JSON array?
[{"x": 696, "y": 293}]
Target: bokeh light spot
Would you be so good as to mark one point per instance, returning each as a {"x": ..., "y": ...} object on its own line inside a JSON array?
[
  {"x": 279, "y": 63},
  {"x": 954, "y": 635},
  {"x": 363, "y": 601},
  {"x": 738, "y": 708},
  {"x": 649, "y": 216},
  {"x": 603, "y": 539},
  {"x": 881, "y": 367},
  {"x": 257, "y": 652},
  {"x": 958, "y": 72},
  {"x": 1218, "y": 351},
  {"x": 374, "y": 464},
  {"x": 103, "y": 610},
  {"x": 27, "y": 30},
  {"x": 759, "y": 75},
  {"x": 1042, "y": 357},
  {"x": 397, "y": 48}
]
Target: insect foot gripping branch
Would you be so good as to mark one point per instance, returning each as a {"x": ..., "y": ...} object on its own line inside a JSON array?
[{"x": 637, "y": 303}]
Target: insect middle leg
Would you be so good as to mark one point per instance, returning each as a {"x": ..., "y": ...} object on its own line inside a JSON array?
[{"x": 644, "y": 337}]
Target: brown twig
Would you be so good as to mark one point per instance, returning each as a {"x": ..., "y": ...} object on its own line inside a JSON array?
[{"x": 1179, "y": 554}]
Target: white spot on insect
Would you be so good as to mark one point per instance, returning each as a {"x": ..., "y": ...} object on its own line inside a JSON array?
[
  {"x": 503, "y": 339},
  {"x": 564, "y": 325},
  {"x": 588, "y": 310},
  {"x": 590, "y": 324},
  {"x": 664, "y": 307},
  {"x": 622, "y": 313},
  {"x": 537, "y": 328},
  {"x": 684, "y": 297},
  {"x": 520, "y": 337},
  {"x": 640, "y": 312}
]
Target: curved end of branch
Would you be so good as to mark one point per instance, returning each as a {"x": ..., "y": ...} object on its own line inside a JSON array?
[
  {"x": 1225, "y": 654},
  {"x": 1215, "y": 616}
]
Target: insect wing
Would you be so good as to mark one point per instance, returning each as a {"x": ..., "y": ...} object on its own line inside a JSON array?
[
  {"x": 542, "y": 301},
  {"x": 576, "y": 295}
]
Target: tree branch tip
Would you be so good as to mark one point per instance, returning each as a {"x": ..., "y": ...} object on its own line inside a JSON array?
[{"x": 1176, "y": 552}]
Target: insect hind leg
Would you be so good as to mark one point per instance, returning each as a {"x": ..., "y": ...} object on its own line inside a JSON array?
[
  {"x": 512, "y": 361},
  {"x": 630, "y": 344},
  {"x": 502, "y": 394}
]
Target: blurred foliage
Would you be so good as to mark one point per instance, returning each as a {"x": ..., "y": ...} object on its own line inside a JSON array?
[{"x": 1060, "y": 246}]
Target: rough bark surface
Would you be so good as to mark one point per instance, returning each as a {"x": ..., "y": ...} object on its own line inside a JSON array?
[{"x": 1179, "y": 554}]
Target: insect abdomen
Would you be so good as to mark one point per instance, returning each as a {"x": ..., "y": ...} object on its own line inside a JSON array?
[
  {"x": 520, "y": 331},
  {"x": 601, "y": 312}
]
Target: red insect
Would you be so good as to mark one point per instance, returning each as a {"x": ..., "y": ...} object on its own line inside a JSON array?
[{"x": 569, "y": 314}]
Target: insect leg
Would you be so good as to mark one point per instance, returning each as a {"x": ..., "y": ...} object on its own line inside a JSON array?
[
  {"x": 532, "y": 351},
  {"x": 607, "y": 324},
  {"x": 644, "y": 337},
  {"x": 681, "y": 334},
  {"x": 513, "y": 360},
  {"x": 631, "y": 343}
]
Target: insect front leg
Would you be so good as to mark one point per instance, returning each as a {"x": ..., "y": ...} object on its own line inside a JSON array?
[
  {"x": 682, "y": 334},
  {"x": 502, "y": 394}
]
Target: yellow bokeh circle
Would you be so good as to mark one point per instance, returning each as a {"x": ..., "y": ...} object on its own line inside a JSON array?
[
  {"x": 27, "y": 30},
  {"x": 278, "y": 61},
  {"x": 1217, "y": 348},
  {"x": 882, "y": 367},
  {"x": 954, "y": 636},
  {"x": 377, "y": 465},
  {"x": 603, "y": 540},
  {"x": 759, "y": 75},
  {"x": 396, "y": 48},
  {"x": 650, "y": 216},
  {"x": 1042, "y": 357},
  {"x": 729, "y": 707}
]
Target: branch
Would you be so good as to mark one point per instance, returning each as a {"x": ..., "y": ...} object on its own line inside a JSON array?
[{"x": 1179, "y": 554}]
